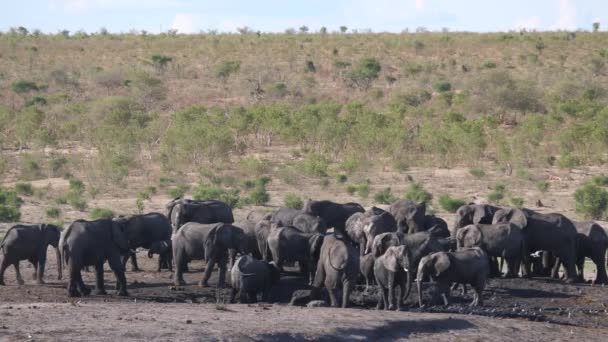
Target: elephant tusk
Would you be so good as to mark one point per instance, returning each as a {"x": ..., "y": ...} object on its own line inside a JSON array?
[
  {"x": 536, "y": 254},
  {"x": 405, "y": 269}
]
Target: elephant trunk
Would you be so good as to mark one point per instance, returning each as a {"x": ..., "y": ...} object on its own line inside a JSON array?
[
  {"x": 419, "y": 278},
  {"x": 59, "y": 264}
]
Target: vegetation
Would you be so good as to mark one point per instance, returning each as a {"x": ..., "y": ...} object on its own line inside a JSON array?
[
  {"x": 24, "y": 189},
  {"x": 101, "y": 213},
  {"x": 9, "y": 205},
  {"x": 415, "y": 192},
  {"x": 497, "y": 194},
  {"x": 293, "y": 201},
  {"x": 542, "y": 186},
  {"x": 450, "y": 204},
  {"x": 53, "y": 212},
  {"x": 591, "y": 201},
  {"x": 385, "y": 196}
]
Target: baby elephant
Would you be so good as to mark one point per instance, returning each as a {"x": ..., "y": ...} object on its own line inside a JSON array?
[
  {"x": 466, "y": 266},
  {"x": 251, "y": 276},
  {"x": 392, "y": 269},
  {"x": 165, "y": 254}
]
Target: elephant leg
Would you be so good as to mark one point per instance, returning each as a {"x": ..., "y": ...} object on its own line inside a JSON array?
[
  {"x": 222, "y": 276},
  {"x": 73, "y": 283},
  {"x": 402, "y": 287},
  {"x": 41, "y": 265},
  {"x": 253, "y": 296},
  {"x": 134, "y": 266},
  {"x": 580, "y": 269},
  {"x": 305, "y": 270},
  {"x": 207, "y": 274},
  {"x": 34, "y": 263},
  {"x": 119, "y": 272},
  {"x": 346, "y": 289},
  {"x": 3, "y": 266},
  {"x": 233, "y": 294},
  {"x": 333, "y": 297},
  {"x": 601, "y": 277},
  {"x": 169, "y": 260},
  {"x": 555, "y": 268},
  {"x": 99, "y": 283},
  {"x": 381, "y": 303},
  {"x": 81, "y": 286},
  {"x": 18, "y": 273},
  {"x": 180, "y": 266},
  {"x": 391, "y": 291}
]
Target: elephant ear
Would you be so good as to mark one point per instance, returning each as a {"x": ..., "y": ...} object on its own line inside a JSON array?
[
  {"x": 211, "y": 241},
  {"x": 119, "y": 237},
  {"x": 378, "y": 244},
  {"x": 390, "y": 260},
  {"x": 442, "y": 263},
  {"x": 511, "y": 215},
  {"x": 470, "y": 232}
]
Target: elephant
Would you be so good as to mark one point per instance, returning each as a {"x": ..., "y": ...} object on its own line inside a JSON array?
[
  {"x": 164, "y": 250},
  {"x": 363, "y": 227},
  {"x": 297, "y": 218},
  {"x": 211, "y": 242},
  {"x": 258, "y": 215},
  {"x": 504, "y": 240},
  {"x": 288, "y": 244},
  {"x": 29, "y": 242},
  {"x": 248, "y": 227},
  {"x": 366, "y": 266},
  {"x": 554, "y": 233},
  {"x": 592, "y": 244},
  {"x": 431, "y": 221},
  {"x": 390, "y": 270},
  {"x": 465, "y": 266},
  {"x": 262, "y": 230},
  {"x": 91, "y": 243},
  {"x": 144, "y": 231},
  {"x": 334, "y": 214},
  {"x": 418, "y": 244},
  {"x": 181, "y": 211},
  {"x": 250, "y": 276},
  {"x": 337, "y": 269},
  {"x": 473, "y": 214},
  {"x": 412, "y": 218}
]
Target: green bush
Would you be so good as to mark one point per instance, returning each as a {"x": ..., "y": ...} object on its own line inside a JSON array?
[
  {"x": 477, "y": 173},
  {"x": 24, "y": 86},
  {"x": 259, "y": 195},
  {"x": 57, "y": 165},
  {"x": 10, "y": 203},
  {"x": 542, "y": 186},
  {"x": 365, "y": 72},
  {"x": 75, "y": 200},
  {"x": 591, "y": 201},
  {"x": 415, "y": 192},
  {"x": 363, "y": 190},
  {"x": 601, "y": 180},
  {"x": 101, "y": 213},
  {"x": 93, "y": 192},
  {"x": 278, "y": 89},
  {"x": 206, "y": 191},
  {"x": 442, "y": 86},
  {"x": 293, "y": 201},
  {"x": 140, "y": 205},
  {"x": 385, "y": 196},
  {"x": 450, "y": 204},
  {"x": 24, "y": 189},
  {"x": 178, "y": 190},
  {"x": 489, "y": 65},
  {"x": 30, "y": 169},
  {"x": 341, "y": 178},
  {"x": 9, "y": 214},
  {"x": 517, "y": 202},
  {"x": 76, "y": 185},
  {"x": 254, "y": 166},
  {"x": 316, "y": 165},
  {"x": 351, "y": 189},
  {"x": 227, "y": 68},
  {"x": 53, "y": 212},
  {"x": 497, "y": 194}
]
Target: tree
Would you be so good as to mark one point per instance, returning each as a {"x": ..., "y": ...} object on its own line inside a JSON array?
[
  {"x": 243, "y": 30},
  {"x": 303, "y": 29},
  {"x": 343, "y": 29},
  {"x": 323, "y": 30},
  {"x": 596, "y": 26},
  {"x": 160, "y": 62},
  {"x": 366, "y": 71}
]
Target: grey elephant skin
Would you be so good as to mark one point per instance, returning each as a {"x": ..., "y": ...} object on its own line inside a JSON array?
[
  {"x": 181, "y": 211},
  {"x": 504, "y": 240},
  {"x": 412, "y": 218},
  {"x": 146, "y": 231},
  {"x": 289, "y": 244},
  {"x": 248, "y": 227},
  {"x": 209, "y": 242},
  {"x": 554, "y": 233},
  {"x": 299, "y": 219},
  {"x": 250, "y": 276},
  {"x": 92, "y": 243},
  {"x": 337, "y": 269},
  {"x": 363, "y": 227},
  {"x": 29, "y": 242},
  {"x": 164, "y": 249},
  {"x": 473, "y": 214},
  {"x": 592, "y": 244},
  {"x": 393, "y": 269},
  {"x": 262, "y": 231},
  {"x": 467, "y": 266},
  {"x": 334, "y": 214}
]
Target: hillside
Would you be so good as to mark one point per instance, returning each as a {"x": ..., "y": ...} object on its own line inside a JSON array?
[{"x": 139, "y": 116}]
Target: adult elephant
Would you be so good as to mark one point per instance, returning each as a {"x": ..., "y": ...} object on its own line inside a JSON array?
[
  {"x": 181, "y": 211},
  {"x": 504, "y": 240},
  {"x": 549, "y": 232},
  {"x": 146, "y": 231},
  {"x": 92, "y": 243},
  {"x": 29, "y": 242},
  {"x": 411, "y": 218},
  {"x": 299, "y": 219},
  {"x": 262, "y": 231},
  {"x": 337, "y": 269},
  {"x": 248, "y": 227},
  {"x": 363, "y": 227},
  {"x": 211, "y": 242},
  {"x": 334, "y": 214},
  {"x": 289, "y": 244},
  {"x": 473, "y": 214}
]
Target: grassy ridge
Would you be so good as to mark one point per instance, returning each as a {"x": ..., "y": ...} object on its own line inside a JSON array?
[{"x": 334, "y": 100}]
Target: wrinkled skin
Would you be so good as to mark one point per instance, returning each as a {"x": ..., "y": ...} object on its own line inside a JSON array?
[
  {"x": 334, "y": 214},
  {"x": 473, "y": 214},
  {"x": 181, "y": 211},
  {"x": 363, "y": 227},
  {"x": 262, "y": 230},
  {"x": 288, "y": 217},
  {"x": 410, "y": 216},
  {"x": 143, "y": 231},
  {"x": 288, "y": 244},
  {"x": 467, "y": 266},
  {"x": 592, "y": 244},
  {"x": 258, "y": 215},
  {"x": 248, "y": 227},
  {"x": 211, "y": 242},
  {"x": 164, "y": 250},
  {"x": 250, "y": 276},
  {"x": 498, "y": 240},
  {"x": 392, "y": 269},
  {"x": 431, "y": 221},
  {"x": 337, "y": 269},
  {"x": 549, "y": 232},
  {"x": 366, "y": 265},
  {"x": 29, "y": 242},
  {"x": 92, "y": 243}
]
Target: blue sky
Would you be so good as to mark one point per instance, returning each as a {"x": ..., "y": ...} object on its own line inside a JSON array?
[{"x": 191, "y": 16}]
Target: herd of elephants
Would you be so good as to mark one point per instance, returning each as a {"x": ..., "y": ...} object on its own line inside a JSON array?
[{"x": 335, "y": 246}]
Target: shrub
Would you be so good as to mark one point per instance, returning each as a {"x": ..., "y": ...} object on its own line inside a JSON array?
[
  {"x": 416, "y": 193},
  {"x": 542, "y": 186},
  {"x": 9, "y": 214},
  {"x": 24, "y": 86},
  {"x": 30, "y": 169},
  {"x": 341, "y": 178},
  {"x": 227, "y": 68},
  {"x": 9, "y": 206},
  {"x": 442, "y": 86},
  {"x": 351, "y": 189},
  {"x": 254, "y": 166},
  {"x": 497, "y": 194},
  {"x": 76, "y": 201},
  {"x": 178, "y": 190},
  {"x": 601, "y": 180},
  {"x": 278, "y": 89},
  {"x": 293, "y": 201},
  {"x": 211, "y": 191},
  {"x": 385, "y": 196},
  {"x": 151, "y": 189},
  {"x": 24, "y": 189},
  {"x": 57, "y": 165},
  {"x": 363, "y": 190},
  {"x": 450, "y": 204},
  {"x": 140, "y": 205},
  {"x": 163, "y": 182},
  {"x": 93, "y": 192},
  {"x": 489, "y": 65},
  {"x": 101, "y": 213},
  {"x": 568, "y": 161},
  {"x": 316, "y": 165},
  {"x": 76, "y": 185},
  {"x": 161, "y": 61},
  {"x": 365, "y": 72},
  {"x": 591, "y": 201},
  {"x": 477, "y": 172},
  {"x": 517, "y": 202},
  {"x": 53, "y": 212}
]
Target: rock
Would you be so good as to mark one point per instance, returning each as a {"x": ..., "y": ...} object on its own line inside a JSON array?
[{"x": 316, "y": 304}]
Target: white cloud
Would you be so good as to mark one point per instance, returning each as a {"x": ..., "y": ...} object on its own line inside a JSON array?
[
  {"x": 566, "y": 19},
  {"x": 419, "y": 4},
  {"x": 184, "y": 23},
  {"x": 531, "y": 23}
]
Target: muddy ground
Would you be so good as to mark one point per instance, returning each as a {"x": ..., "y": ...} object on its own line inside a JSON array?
[{"x": 539, "y": 309}]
